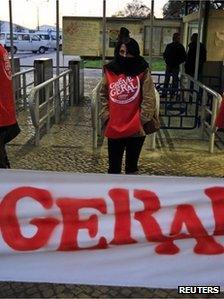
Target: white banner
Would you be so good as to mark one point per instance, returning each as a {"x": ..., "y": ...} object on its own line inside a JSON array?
[{"x": 111, "y": 229}]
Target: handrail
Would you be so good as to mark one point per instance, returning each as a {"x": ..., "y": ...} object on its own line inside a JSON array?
[
  {"x": 20, "y": 86},
  {"x": 23, "y": 72},
  {"x": 52, "y": 104},
  {"x": 94, "y": 113},
  {"x": 210, "y": 129}
]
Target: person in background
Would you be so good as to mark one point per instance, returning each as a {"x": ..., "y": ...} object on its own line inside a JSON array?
[
  {"x": 127, "y": 103},
  {"x": 174, "y": 55},
  {"x": 191, "y": 56},
  {"x": 219, "y": 122},
  {"x": 9, "y": 128}
]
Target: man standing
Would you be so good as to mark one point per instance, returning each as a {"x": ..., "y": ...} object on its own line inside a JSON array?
[
  {"x": 9, "y": 128},
  {"x": 174, "y": 55},
  {"x": 191, "y": 56}
]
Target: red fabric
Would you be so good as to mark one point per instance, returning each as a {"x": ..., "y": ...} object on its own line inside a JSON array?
[
  {"x": 7, "y": 107},
  {"x": 219, "y": 122},
  {"x": 124, "y": 105}
]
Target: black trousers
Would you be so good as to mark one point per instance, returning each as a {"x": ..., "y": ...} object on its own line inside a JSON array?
[
  {"x": 131, "y": 146},
  {"x": 171, "y": 72},
  {"x": 4, "y": 161}
]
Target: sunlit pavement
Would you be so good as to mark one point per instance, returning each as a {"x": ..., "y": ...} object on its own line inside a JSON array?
[{"x": 68, "y": 147}]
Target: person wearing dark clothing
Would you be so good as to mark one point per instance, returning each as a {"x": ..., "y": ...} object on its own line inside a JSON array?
[
  {"x": 191, "y": 56},
  {"x": 128, "y": 102},
  {"x": 174, "y": 55},
  {"x": 9, "y": 128}
]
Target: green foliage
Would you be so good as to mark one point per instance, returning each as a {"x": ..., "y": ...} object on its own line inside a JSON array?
[{"x": 177, "y": 9}]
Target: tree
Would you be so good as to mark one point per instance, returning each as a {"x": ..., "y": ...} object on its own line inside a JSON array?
[
  {"x": 134, "y": 9},
  {"x": 177, "y": 9}
]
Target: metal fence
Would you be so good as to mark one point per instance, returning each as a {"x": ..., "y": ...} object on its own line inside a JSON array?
[
  {"x": 49, "y": 100},
  {"x": 194, "y": 105},
  {"x": 23, "y": 82},
  {"x": 210, "y": 103}
]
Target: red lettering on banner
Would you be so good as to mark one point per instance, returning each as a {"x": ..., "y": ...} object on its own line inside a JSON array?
[
  {"x": 122, "y": 231},
  {"x": 185, "y": 214},
  {"x": 216, "y": 194},
  {"x": 150, "y": 226},
  {"x": 72, "y": 223},
  {"x": 9, "y": 224}
]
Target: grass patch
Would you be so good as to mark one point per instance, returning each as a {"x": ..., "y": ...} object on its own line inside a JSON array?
[{"x": 158, "y": 63}]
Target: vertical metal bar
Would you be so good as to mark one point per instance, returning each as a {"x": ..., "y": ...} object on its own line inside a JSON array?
[
  {"x": 104, "y": 33},
  {"x": 203, "y": 113},
  {"x": 151, "y": 34},
  {"x": 64, "y": 91},
  {"x": 37, "y": 114},
  {"x": 198, "y": 41},
  {"x": 11, "y": 36},
  {"x": 47, "y": 91},
  {"x": 24, "y": 91},
  {"x": 57, "y": 38},
  {"x": 56, "y": 101}
]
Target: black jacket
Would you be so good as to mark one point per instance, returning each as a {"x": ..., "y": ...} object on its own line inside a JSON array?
[
  {"x": 174, "y": 54},
  {"x": 191, "y": 57}
]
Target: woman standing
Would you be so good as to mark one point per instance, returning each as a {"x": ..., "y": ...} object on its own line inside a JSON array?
[{"x": 128, "y": 102}]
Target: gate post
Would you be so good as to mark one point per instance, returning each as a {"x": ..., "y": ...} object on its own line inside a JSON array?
[
  {"x": 76, "y": 81},
  {"x": 17, "y": 80},
  {"x": 43, "y": 72}
]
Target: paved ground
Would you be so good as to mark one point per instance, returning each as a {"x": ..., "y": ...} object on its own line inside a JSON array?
[{"x": 68, "y": 147}]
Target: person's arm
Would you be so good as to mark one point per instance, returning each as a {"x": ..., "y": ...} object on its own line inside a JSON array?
[
  {"x": 183, "y": 54},
  {"x": 148, "y": 105},
  {"x": 104, "y": 111},
  {"x": 165, "y": 53}
]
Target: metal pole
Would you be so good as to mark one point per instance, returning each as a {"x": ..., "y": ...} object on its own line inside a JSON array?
[
  {"x": 38, "y": 15},
  {"x": 104, "y": 32},
  {"x": 57, "y": 38},
  {"x": 198, "y": 41},
  {"x": 151, "y": 34},
  {"x": 11, "y": 36}
]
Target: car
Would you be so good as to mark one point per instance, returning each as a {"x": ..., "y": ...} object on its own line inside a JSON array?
[
  {"x": 51, "y": 38},
  {"x": 24, "y": 42}
]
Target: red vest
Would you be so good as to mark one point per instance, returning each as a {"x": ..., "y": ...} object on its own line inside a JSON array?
[
  {"x": 7, "y": 107},
  {"x": 219, "y": 122},
  {"x": 124, "y": 105}
]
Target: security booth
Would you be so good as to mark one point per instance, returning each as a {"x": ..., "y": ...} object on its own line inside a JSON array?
[{"x": 84, "y": 35}]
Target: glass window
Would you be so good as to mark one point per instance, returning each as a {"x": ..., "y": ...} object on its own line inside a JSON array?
[
  {"x": 2, "y": 35},
  {"x": 113, "y": 34},
  {"x": 20, "y": 37},
  {"x": 8, "y": 36},
  {"x": 44, "y": 36},
  {"x": 35, "y": 37},
  {"x": 26, "y": 37}
]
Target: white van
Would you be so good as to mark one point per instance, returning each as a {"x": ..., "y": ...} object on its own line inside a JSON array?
[
  {"x": 24, "y": 42},
  {"x": 51, "y": 38}
]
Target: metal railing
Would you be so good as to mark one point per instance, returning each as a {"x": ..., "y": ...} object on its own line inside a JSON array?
[
  {"x": 210, "y": 103},
  {"x": 23, "y": 82},
  {"x": 96, "y": 122},
  {"x": 49, "y": 100}
]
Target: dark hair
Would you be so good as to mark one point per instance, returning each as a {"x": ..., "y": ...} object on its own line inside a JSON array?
[
  {"x": 123, "y": 35},
  {"x": 194, "y": 37},
  {"x": 130, "y": 43}
]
